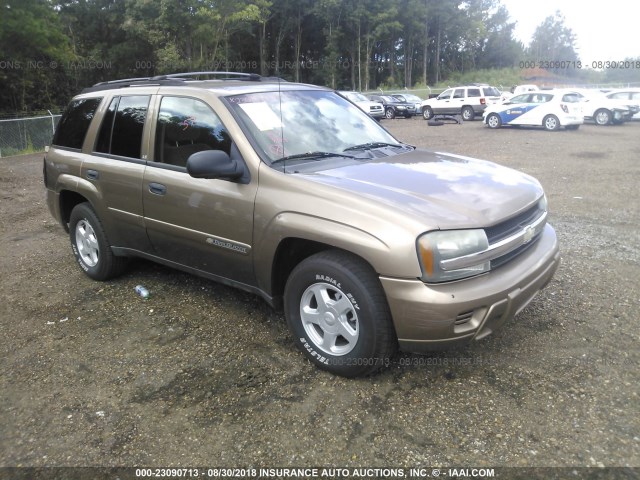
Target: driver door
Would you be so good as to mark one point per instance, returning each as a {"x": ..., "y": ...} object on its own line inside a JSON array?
[{"x": 206, "y": 224}]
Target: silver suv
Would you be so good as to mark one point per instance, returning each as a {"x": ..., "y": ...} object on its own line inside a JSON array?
[
  {"x": 293, "y": 193},
  {"x": 468, "y": 101}
]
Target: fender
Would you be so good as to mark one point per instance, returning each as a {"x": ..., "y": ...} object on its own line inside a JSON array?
[{"x": 336, "y": 234}]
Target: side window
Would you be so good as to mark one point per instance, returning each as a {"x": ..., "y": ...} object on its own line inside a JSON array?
[
  {"x": 187, "y": 126},
  {"x": 75, "y": 122},
  {"x": 458, "y": 93},
  {"x": 121, "y": 130},
  {"x": 445, "y": 95},
  {"x": 473, "y": 92},
  {"x": 104, "y": 135}
]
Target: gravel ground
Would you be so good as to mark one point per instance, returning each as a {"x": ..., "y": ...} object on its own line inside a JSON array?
[{"x": 201, "y": 374}]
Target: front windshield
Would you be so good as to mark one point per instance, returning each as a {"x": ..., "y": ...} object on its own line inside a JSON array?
[{"x": 296, "y": 122}]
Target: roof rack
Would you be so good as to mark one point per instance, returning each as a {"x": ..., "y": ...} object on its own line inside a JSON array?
[
  {"x": 229, "y": 75},
  {"x": 177, "y": 79}
]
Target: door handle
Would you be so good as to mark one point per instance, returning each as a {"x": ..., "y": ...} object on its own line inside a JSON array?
[
  {"x": 157, "y": 188},
  {"x": 92, "y": 174}
]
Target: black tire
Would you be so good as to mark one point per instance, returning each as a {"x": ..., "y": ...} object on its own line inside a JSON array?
[
  {"x": 354, "y": 334},
  {"x": 390, "y": 113},
  {"x": 427, "y": 113},
  {"x": 90, "y": 245},
  {"x": 494, "y": 120},
  {"x": 435, "y": 123},
  {"x": 468, "y": 114},
  {"x": 551, "y": 123},
  {"x": 602, "y": 117}
]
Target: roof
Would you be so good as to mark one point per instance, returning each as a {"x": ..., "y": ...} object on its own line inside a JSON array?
[{"x": 191, "y": 79}]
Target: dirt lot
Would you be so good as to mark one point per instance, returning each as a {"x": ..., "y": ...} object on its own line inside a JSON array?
[{"x": 203, "y": 375}]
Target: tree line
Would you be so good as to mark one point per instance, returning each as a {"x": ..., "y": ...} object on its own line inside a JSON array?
[{"x": 51, "y": 49}]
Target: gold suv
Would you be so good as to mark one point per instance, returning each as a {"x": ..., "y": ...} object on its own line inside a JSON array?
[{"x": 293, "y": 193}]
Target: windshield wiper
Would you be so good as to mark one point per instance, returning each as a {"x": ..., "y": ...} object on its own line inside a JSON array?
[
  {"x": 372, "y": 145},
  {"x": 310, "y": 156}
]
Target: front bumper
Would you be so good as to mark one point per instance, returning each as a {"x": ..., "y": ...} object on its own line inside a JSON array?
[{"x": 436, "y": 317}]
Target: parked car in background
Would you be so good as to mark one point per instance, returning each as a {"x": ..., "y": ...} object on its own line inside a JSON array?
[
  {"x": 629, "y": 96},
  {"x": 467, "y": 101},
  {"x": 517, "y": 90},
  {"x": 393, "y": 107},
  {"x": 602, "y": 110},
  {"x": 549, "y": 109},
  {"x": 374, "y": 109},
  {"x": 409, "y": 98}
]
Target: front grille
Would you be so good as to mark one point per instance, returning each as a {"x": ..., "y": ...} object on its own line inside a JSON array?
[{"x": 511, "y": 227}]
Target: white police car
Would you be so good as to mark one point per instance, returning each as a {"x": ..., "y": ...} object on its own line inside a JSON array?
[{"x": 550, "y": 109}]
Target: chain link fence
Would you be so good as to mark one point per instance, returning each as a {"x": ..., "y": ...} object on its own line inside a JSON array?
[{"x": 20, "y": 136}]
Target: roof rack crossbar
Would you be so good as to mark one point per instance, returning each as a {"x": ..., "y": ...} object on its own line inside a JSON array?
[
  {"x": 177, "y": 79},
  {"x": 241, "y": 75}
]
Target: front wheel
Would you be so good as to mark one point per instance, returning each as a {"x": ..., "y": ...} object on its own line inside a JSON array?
[
  {"x": 494, "y": 121},
  {"x": 427, "y": 113},
  {"x": 337, "y": 312},
  {"x": 390, "y": 113},
  {"x": 551, "y": 123},
  {"x": 90, "y": 244}
]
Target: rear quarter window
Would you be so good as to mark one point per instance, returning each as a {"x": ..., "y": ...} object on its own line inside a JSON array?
[{"x": 75, "y": 123}]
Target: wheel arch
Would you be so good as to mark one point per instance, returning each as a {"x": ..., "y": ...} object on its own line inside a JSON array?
[
  {"x": 290, "y": 252},
  {"x": 68, "y": 201}
]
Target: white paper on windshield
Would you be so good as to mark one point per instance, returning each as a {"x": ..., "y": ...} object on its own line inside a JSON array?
[{"x": 261, "y": 114}]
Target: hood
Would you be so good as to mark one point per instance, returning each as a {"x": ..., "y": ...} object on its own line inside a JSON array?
[{"x": 438, "y": 190}]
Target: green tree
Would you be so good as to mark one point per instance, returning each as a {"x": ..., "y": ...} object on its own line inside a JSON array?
[
  {"x": 34, "y": 52},
  {"x": 554, "y": 41}
]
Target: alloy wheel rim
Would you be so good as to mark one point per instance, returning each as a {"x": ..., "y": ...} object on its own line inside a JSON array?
[
  {"x": 329, "y": 319},
  {"x": 87, "y": 243}
]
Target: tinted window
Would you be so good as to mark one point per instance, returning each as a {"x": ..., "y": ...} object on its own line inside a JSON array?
[
  {"x": 186, "y": 126},
  {"x": 473, "y": 92},
  {"x": 126, "y": 137},
  {"x": 104, "y": 136},
  {"x": 458, "y": 93},
  {"x": 75, "y": 122},
  {"x": 445, "y": 94}
]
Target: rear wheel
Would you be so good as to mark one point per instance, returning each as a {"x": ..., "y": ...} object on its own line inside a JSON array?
[
  {"x": 427, "y": 113},
  {"x": 494, "y": 121},
  {"x": 602, "y": 117},
  {"x": 338, "y": 314},
  {"x": 551, "y": 123},
  {"x": 467, "y": 114},
  {"x": 90, "y": 244}
]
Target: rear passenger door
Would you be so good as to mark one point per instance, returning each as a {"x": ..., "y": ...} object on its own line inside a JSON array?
[
  {"x": 200, "y": 223},
  {"x": 116, "y": 168}
]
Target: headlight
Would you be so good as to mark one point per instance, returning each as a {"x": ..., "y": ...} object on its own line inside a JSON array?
[{"x": 433, "y": 247}]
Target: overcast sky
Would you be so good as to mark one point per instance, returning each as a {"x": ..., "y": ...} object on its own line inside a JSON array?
[{"x": 605, "y": 30}]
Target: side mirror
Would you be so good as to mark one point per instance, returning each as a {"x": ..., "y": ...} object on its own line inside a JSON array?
[{"x": 214, "y": 164}]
